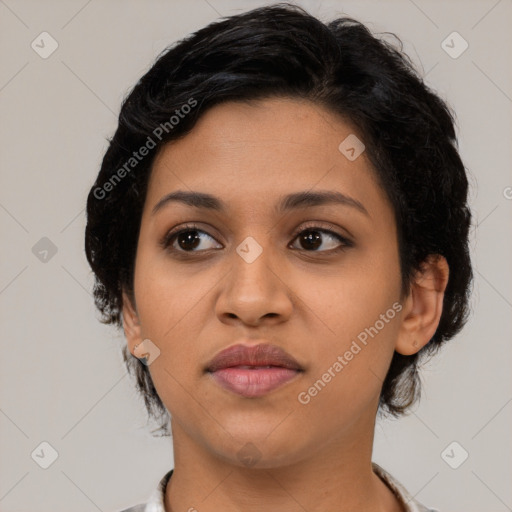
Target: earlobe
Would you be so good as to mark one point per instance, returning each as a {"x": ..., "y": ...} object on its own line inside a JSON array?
[
  {"x": 131, "y": 323},
  {"x": 424, "y": 305}
]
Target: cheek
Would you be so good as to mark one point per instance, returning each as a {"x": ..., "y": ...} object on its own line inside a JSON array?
[
  {"x": 357, "y": 322},
  {"x": 355, "y": 294},
  {"x": 168, "y": 302},
  {"x": 348, "y": 369},
  {"x": 168, "y": 294}
]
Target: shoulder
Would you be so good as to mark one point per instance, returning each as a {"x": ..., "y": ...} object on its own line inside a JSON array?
[
  {"x": 408, "y": 501},
  {"x": 157, "y": 499}
]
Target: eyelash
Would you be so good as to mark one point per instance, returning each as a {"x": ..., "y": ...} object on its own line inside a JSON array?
[{"x": 169, "y": 237}]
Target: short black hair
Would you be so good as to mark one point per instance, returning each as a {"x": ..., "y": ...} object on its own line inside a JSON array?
[{"x": 283, "y": 51}]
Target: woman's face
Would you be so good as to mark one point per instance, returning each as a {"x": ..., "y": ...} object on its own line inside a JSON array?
[{"x": 257, "y": 273}]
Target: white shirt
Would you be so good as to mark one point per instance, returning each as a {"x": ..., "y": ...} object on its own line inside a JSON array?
[{"x": 156, "y": 501}]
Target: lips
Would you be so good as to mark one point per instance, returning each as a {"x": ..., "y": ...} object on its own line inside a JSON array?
[
  {"x": 253, "y": 371},
  {"x": 253, "y": 356}
]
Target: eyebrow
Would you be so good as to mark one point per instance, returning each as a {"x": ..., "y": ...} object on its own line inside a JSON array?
[{"x": 289, "y": 202}]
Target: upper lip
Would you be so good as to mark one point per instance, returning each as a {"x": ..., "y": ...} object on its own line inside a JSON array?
[{"x": 262, "y": 354}]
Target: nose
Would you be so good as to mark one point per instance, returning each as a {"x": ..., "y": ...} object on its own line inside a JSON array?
[{"x": 254, "y": 292}]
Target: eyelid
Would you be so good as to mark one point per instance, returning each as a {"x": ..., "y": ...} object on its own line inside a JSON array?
[{"x": 321, "y": 226}]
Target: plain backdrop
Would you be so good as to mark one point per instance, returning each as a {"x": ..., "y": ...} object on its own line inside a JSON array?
[{"x": 62, "y": 379}]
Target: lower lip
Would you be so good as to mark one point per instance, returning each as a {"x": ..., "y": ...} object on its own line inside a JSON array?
[{"x": 255, "y": 382}]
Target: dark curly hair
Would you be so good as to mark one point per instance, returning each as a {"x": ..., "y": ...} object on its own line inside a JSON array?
[{"x": 283, "y": 51}]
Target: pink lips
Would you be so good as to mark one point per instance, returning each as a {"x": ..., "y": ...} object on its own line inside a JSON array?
[{"x": 253, "y": 371}]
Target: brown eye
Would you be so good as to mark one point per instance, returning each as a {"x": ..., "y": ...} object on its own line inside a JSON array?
[
  {"x": 188, "y": 239},
  {"x": 313, "y": 238}
]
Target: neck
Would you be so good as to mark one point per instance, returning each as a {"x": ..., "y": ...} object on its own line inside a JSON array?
[{"x": 336, "y": 476}]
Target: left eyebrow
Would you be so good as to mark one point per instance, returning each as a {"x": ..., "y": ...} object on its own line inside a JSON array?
[
  {"x": 289, "y": 202},
  {"x": 319, "y": 198}
]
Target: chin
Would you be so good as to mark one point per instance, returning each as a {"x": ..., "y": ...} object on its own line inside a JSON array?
[{"x": 266, "y": 450}]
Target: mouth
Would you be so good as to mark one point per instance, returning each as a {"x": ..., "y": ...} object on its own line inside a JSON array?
[{"x": 253, "y": 371}]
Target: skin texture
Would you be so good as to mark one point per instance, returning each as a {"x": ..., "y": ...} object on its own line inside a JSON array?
[{"x": 313, "y": 304}]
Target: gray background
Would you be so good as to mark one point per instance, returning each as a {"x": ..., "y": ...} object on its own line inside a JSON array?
[{"x": 62, "y": 378}]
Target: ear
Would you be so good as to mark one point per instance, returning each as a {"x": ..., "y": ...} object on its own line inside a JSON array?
[
  {"x": 423, "y": 306},
  {"x": 131, "y": 324}
]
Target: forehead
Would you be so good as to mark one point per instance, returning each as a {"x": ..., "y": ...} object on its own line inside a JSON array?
[{"x": 260, "y": 150}]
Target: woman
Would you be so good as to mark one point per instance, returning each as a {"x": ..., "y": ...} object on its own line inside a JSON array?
[{"x": 280, "y": 225}]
